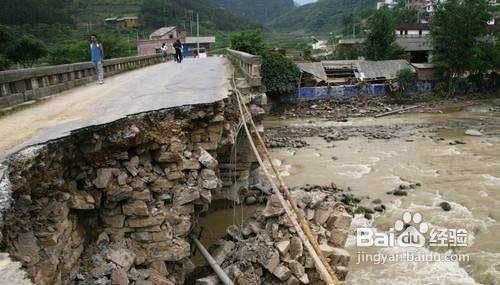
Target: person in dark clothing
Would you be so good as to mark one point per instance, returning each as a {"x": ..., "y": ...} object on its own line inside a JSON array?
[{"x": 178, "y": 51}]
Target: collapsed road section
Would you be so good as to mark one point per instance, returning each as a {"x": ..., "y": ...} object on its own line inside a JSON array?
[
  {"x": 114, "y": 201},
  {"x": 117, "y": 203}
]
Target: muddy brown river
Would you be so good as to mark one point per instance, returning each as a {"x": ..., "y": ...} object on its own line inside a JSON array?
[{"x": 464, "y": 174}]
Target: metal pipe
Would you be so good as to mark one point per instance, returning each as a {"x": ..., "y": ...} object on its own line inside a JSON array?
[{"x": 211, "y": 261}]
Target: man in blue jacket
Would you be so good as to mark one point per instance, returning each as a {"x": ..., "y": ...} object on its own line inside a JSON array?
[{"x": 97, "y": 56}]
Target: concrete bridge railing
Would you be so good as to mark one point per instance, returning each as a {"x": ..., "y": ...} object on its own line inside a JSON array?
[
  {"x": 250, "y": 65},
  {"x": 22, "y": 85}
]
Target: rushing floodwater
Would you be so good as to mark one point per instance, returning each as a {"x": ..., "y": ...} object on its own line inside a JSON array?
[{"x": 465, "y": 175}]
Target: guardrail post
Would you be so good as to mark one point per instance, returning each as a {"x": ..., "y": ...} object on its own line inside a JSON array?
[{"x": 5, "y": 90}]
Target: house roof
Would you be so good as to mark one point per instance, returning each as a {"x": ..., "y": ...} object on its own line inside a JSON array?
[
  {"x": 314, "y": 68},
  {"x": 201, "y": 40},
  {"x": 115, "y": 19},
  {"x": 364, "y": 70},
  {"x": 128, "y": 18},
  {"x": 339, "y": 64},
  {"x": 161, "y": 32},
  {"x": 423, "y": 65},
  {"x": 381, "y": 70}
]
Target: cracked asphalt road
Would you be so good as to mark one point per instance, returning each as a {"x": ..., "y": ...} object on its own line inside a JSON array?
[{"x": 150, "y": 88}]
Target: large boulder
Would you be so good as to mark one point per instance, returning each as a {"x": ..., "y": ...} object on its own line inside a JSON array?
[
  {"x": 207, "y": 160},
  {"x": 81, "y": 200},
  {"x": 103, "y": 178}
]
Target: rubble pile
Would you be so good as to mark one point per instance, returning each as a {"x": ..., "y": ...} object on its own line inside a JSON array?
[
  {"x": 369, "y": 105},
  {"x": 358, "y": 106},
  {"x": 277, "y": 142},
  {"x": 267, "y": 249},
  {"x": 293, "y": 137}
]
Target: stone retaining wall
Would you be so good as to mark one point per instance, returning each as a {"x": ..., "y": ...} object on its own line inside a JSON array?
[
  {"x": 22, "y": 85},
  {"x": 117, "y": 202}
]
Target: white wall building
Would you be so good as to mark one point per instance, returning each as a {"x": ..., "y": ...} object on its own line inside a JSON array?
[
  {"x": 387, "y": 3},
  {"x": 413, "y": 30}
]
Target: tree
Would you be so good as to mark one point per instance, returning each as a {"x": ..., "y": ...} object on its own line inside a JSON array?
[
  {"x": 158, "y": 13},
  {"x": 78, "y": 51},
  {"x": 20, "y": 12},
  {"x": 6, "y": 37},
  {"x": 249, "y": 41},
  {"x": 70, "y": 53},
  {"x": 4, "y": 62},
  {"x": 348, "y": 52},
  {"x": 406, "y": 78},
  {"x": 457, "y": 37},
  {"x": 279, "y": 73},
  {"x": 379, "y": 43},
  {"x": 26, "y": 50},
  {"x": 403, "y": 15}
]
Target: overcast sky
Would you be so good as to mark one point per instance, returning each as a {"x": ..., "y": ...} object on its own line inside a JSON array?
[{"x": 302, "y": 2}]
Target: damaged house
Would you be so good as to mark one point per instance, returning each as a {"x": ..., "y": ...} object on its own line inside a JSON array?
[{"x": 345, "y": 78}]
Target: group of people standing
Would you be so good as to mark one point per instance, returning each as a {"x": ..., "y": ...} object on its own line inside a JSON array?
[
  {"x": 97, "y": 55},
  {"x": 177, "y": 47}
]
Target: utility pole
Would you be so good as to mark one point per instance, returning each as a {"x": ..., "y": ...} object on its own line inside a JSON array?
[
  {"x": 129, "y": 44},
  {"x": 191, "y": 20},
  {"x": 198, "y": 33},
  {"x": 353, "y": 24}
]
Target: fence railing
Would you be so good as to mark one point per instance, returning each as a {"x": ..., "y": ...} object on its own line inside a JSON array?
[
  {"x": 22, "y": 85},
  {"x": 250, "y": 65}
]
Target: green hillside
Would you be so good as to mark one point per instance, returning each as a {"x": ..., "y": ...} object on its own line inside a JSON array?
[
  {"x": 152, "y": 13},
  {"x": 324, "y": 16},
  {"x": 94, "y": 11},
  {"x": 63, "y": 27},
  {"x": 259, "y": 11},
  {"x": 157, "y": 13}
]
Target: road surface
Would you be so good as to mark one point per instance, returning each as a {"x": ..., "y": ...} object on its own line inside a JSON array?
[{"x": 146, "y": 89}]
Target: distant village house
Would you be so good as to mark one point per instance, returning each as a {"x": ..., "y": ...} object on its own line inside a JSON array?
[
  {"x": 164, "y": 33},
  {"x": 191, "y": 43},
  {"x": 169, "y": 35},
  {"x": 126, "y": 22}
]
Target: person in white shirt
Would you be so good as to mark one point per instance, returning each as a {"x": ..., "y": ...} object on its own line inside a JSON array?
[{"x": 164, "y": 52}]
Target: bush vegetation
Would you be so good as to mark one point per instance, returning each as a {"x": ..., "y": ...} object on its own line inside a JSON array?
[
  {"x": 22, "y": 49},
  {"x": 406, "y": 79},
  {"x": 280, "y": 75}
]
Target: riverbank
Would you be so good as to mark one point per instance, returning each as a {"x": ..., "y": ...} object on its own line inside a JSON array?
[{"x": 450, "y": 148}]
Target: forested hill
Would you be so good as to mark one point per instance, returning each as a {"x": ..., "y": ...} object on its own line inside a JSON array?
[
  {"x": 181, "y": 12},
  {"x": 324, "y": 16},
  {"x": 258, "y": 11},
  {"x": 153, "y": 13},
  {"x": 20, "y": 12}
]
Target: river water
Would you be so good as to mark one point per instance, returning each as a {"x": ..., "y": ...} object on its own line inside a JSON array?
[{"x": 465, "y": 175}]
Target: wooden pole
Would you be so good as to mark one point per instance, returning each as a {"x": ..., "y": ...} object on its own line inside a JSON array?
[
  {"x": 211, "y": 261},
  {"x": 303, "y": 230},
  {"x": 396, "y": 111}
]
